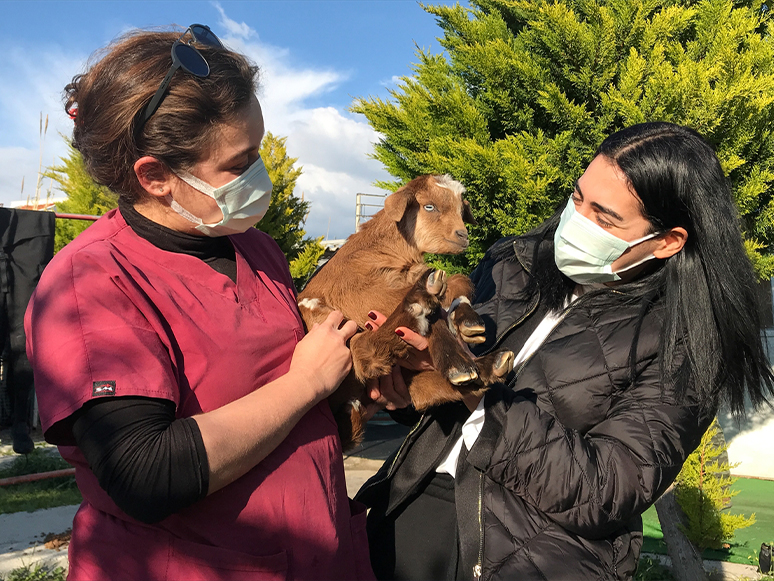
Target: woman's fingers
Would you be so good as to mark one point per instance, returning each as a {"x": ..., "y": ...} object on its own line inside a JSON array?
[
  {"x": 376, "y": 320},
  {"x": 413, "y": 338},
  {"x": 336, "y": 320},
  {"x": 419, "y": 359},
  {"x": 322, "y": 358},
  {"x": 389, "y": 391},
  {"x": 400, "y": 388}
]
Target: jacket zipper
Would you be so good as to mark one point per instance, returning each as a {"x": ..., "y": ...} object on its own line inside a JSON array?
[
  {"x": 531, "y": 310},
  {"x": 477, "y": 568}
]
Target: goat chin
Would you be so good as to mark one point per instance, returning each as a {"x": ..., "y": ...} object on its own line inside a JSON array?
[{"x": 446, "y": 247}]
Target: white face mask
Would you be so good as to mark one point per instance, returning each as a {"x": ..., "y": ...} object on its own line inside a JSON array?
[
  {"x": 585, "y": 252},
  {"x": 243, "y": 201}
]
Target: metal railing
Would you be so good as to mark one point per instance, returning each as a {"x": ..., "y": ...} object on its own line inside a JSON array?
[
  {"x": 76, "y": 216},
  {"x": 360, "y": 215}
]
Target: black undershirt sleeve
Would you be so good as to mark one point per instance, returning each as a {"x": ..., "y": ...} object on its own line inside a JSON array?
[{"x": 150, "y": 463}]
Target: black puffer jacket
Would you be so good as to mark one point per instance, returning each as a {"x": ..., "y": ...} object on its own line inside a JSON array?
[{"x": 571, "y": 452}]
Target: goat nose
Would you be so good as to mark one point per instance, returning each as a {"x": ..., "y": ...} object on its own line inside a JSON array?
[{"x": 461, "y": 234}]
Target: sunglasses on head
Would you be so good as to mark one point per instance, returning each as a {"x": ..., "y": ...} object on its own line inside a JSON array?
[{"x": 186, "y": 57}]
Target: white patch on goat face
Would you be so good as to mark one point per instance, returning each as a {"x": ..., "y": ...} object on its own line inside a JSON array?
[
  {"x": 420, "y": 313},
  {"x": 446, "y": 181},
  {"x": 310, "y": 304}
]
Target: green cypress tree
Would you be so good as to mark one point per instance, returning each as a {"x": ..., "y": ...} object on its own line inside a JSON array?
[
  {"x": 527, "y": 89},
  {"x": 284, "y": 220},
  {"x": 83, "y": 196},
  {"x": 703, "y": 489}
]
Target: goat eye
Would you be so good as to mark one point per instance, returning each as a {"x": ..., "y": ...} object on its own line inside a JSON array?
[{"x": 429, "y": 207}]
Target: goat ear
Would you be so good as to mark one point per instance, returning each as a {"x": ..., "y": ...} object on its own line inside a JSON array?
[
  {"x": 395, "y": 205},
  {"x": 467, "y": 214}
]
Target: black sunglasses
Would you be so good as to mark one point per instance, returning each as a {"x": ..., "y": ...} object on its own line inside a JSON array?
[{"x": 186, "y": 57}]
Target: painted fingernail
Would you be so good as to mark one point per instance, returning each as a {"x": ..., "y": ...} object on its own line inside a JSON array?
[
  {"x": 399, "y": 333},
  {"x": 369, "y": 326},
  {"x": 372, "y": 315}
]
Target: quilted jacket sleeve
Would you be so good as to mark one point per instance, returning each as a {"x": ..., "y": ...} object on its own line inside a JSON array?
[{"x": 590, "y": 484}]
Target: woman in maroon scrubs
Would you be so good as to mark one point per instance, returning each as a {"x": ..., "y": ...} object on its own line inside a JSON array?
[{"x": 170, "y": 361}]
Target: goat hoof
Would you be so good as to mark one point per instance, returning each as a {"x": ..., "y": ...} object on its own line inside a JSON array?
[
  {"x": 461, "y": 377},
  {"x": 472, "y": 332},
  {"x": 436, "y": 282},
  {"x": 503, "y": 365},
  {"x": 467, "y": 322}
]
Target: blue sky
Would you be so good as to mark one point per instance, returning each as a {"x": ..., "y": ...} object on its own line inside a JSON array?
[{"x": 315, "y": 55}]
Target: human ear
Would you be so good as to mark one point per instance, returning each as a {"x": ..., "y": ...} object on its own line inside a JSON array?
[
  {"x": 153, "y": 176},
  {"x": 671, "y": 242}
]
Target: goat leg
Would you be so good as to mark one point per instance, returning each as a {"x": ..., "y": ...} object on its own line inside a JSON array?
[
  {"x": 347, "y": 404},
  {"x": 374, "y": 354},
  {"x": 494, "y": 366},
  {"x": 462, "y": 319},
  {"x": 449, "y": 357}
]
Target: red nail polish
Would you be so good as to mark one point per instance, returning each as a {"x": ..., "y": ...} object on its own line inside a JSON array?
[
  {"x": 369, "y": 326},
  {"x": 399, "y": 333},
  {"x": 372, "y": 315}
]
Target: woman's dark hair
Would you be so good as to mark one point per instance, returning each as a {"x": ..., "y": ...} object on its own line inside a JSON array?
[
  {"x": 712, "y": 322},
  {"x": 108, "y": 98}
]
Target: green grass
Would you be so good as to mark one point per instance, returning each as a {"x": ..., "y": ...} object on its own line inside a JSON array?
[
  {"x": 755, "y": 496},
  {"x": 650, "y": 570},
  {"x": 41, "y": 494},
  {"x": 36, "y": 573}
]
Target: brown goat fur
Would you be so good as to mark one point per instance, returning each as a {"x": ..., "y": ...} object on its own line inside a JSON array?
[{"x": 382, "y": 268}]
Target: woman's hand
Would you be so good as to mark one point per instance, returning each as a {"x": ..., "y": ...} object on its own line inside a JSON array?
[
  {"x": 419, "y": 359},
  {"x": 322, "y": 358},
  {"x": 388, "y": 392}
]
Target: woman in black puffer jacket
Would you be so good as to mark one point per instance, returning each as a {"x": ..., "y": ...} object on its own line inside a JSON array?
[{"x": 632, "y": 316}]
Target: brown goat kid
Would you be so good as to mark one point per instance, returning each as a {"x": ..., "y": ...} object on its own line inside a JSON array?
[{"x": 382, "y": 268}]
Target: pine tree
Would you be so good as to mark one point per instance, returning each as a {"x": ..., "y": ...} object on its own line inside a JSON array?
[
  {"x": 284, "y": 220},
  {"x": 302, "y": 267},
  {"x": 703, "y": 489},
  {"x": 527, "y": 89},
  {"x": 83, "y": 197}
]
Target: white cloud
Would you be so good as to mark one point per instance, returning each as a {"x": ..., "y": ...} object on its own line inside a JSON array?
[
  {"x": 332, "y": 193},
  {"x": 34, "y": 85},
  {"x": 234, "y": 28},
  {"x": 392, "y": 81}
]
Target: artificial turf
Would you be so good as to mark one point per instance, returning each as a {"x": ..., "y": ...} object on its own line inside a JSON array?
[{"x": 755, "y": 496}]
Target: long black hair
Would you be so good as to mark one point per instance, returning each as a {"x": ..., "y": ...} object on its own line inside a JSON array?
[{"x": 712, "y": 323}]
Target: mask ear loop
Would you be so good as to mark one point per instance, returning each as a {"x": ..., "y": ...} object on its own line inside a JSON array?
[
  {"x": 196, "y": 183},
  {"x": 644, "y": 260},
  {"x": 182, "y": 211}
]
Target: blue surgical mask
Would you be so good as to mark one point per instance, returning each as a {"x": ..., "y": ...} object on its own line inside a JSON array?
[
  {"x": 243, "y": 201},
  {"x": 585, "y": 252}
]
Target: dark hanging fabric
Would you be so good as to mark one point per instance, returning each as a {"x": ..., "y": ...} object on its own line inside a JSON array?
[{"x": 26, "y": 246}]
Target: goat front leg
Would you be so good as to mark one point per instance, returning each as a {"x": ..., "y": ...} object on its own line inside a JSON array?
[
  {"x": 348, "y": 405},
  {"x": 449, "y": 358},
  {"x": 463, "y": 320},
  {"x": 374, "y": 354}
]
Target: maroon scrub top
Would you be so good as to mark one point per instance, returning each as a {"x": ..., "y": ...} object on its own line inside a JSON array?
[{"x": 112, "y": 316}]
